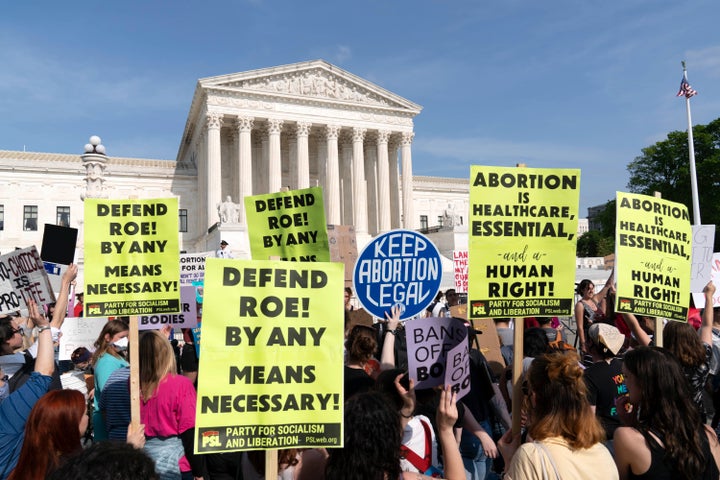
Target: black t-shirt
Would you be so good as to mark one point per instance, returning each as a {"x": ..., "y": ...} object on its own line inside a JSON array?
[
  {"x": 357, "y": 381},
  {"x": 606, "y": 383}
]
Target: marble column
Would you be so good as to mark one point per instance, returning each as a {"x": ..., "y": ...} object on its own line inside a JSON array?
[
  {"x": 274, "y": 156},
  {"x": 359, "y": 187},
  {"x": 213, "y": 172},
  {"x": 407, "y": 181},
  {"x": 244, "y": 127},
  {"x": 332, "y": 194},
  {"x": 303, "y": 154},
  {"x": 371, "y": 183},
  {"x": 292, "y": 160},
  {"x": 346, "y": 176},
  {"x": 322, "y": 164},
  {"x": 383, "y": 182},
  {"x": 395, "y": 220}
]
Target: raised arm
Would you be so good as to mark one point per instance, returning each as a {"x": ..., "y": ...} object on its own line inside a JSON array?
[
  {"x": 62, "y": 301},
  {"x": 447, "y": 415},
  {"x": 705, "y": 331},
  {"x": 387, "y": 356},
  {"x": 640, "y": 335},
  {"x": 600, "y": 296},
  {"x": 45, "y": 360}
]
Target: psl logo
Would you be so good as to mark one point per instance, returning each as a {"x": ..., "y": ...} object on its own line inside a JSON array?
[
  {"x": 478, "y": 308},
  {"x": 211, "y": 439},
  {"x": 94, "y": 310},
  {"x": 625, "y": 303}
]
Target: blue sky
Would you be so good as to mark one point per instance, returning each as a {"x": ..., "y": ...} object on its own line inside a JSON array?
[{"x": 557, "y": 84}]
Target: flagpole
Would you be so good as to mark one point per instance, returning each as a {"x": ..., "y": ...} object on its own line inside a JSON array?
[{"x": 691, "y": 149}]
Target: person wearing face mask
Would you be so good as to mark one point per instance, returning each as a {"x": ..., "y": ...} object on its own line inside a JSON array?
[{"x": 110, "y": 348}]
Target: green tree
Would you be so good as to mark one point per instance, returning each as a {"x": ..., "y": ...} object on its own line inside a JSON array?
[
  {"x": 665, "y": 167},
  {"x": 587, "y": 244}
]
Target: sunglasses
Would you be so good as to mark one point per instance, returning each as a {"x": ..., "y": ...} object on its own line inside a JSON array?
[{"x": 18, "y": 330}]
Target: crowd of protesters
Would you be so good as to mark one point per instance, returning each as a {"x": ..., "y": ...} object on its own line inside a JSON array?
[{"x": 617, "y": 407}]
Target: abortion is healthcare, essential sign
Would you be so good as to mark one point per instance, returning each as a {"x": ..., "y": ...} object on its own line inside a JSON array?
[
  {"x": 400, "y": 267},
  {"x": 288, "y": 225},
  {"x": 523, "y": 223},
  {"x": 438, "y": 353},
  {"x": 653, "y": 247},
  {"x": 132, "y": 256},
  {"x": 23, "y": 277},
  {"x": 272, "y": 356}
]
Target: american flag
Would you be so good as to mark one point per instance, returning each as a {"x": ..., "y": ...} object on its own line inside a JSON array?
[{"x": 685, "y": 89}]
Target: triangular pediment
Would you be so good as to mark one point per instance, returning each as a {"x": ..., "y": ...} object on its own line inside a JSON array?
[{"x": 315, "y": 79}]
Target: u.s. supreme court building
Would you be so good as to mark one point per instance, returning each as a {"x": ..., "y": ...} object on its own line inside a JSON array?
[{"x": 260, "y": 131}]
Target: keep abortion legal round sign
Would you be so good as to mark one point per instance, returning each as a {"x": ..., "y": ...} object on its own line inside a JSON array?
[{"x": 400, "y": 267}]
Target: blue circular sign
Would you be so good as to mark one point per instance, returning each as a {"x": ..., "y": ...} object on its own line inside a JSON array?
[{"x": 400, "y": 267}]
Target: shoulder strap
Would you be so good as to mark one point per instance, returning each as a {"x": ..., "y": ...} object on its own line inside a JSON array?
[
  {"x": 546, "y": 452},
  {"x": 421, "y": 463}
]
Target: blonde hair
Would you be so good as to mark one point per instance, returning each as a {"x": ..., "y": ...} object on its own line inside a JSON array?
[{"x": 157, "y": 360}]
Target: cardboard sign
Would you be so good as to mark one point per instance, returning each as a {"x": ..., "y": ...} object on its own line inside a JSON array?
[
  {"x": 272, "y": 356},
  {"x": 438, "y": 353},
  {"x": 653, "y": 251},
  {"x": 460, "y": 267},
  {"x": 288, "y": 225},
  {"x": 79, "y": 332},
  {"x": 23, "y": 277},
  {"x": 132, "y": 256},
  {"x": 400, "y": 268},
  {"x": 522, "y": 241},
  {"x": 701, "y": 272}
]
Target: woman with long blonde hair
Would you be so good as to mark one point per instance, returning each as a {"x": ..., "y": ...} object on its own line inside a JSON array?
[
  {"x": 167, "y": 409},
  {"x": 567, "y": 436}
]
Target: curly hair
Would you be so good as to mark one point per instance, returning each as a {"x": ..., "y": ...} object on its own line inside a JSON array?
[
  {"x": 561, "y": 407},
  {"x": 667, "y": 409},
  {"x": 361, "y": 344},
  {"x": 373, "y": 435},
  {"x": 682, "y": 340}
]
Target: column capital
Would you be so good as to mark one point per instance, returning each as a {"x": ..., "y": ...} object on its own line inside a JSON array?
[
  {"x": 358, "y": 134},
  {"x": 303, "y": 129},
  {"x": 383, "y": 136},
  {"x": 214, "y": 120},
  {"x": 407, "y": 138},
  {"x": 244, "y": 124},
  {"x": 332, "y": 131},
  {"x": 274, "y": 125}
]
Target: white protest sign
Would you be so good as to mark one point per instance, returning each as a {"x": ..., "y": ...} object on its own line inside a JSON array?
[
  {"x": 701, "y": 271},
  {"x": 23, "y": 277},
  {"x": 187, "y": 318},
  {"x": 79, "y": 332}
]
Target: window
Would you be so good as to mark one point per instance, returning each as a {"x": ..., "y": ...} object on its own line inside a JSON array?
[
  {"x": 461, "y": 220},
  {"x": 2, "y": 217},
  {"x": 423, "y": 222},
  {"x": 63, "y": 216},
  {"x": 183, "y": 219},
  {"x": 30, "y": 213},
  {"x": 440, "y": 220}
]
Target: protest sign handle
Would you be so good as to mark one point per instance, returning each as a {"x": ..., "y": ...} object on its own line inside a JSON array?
[
  {"x": 134, "y": 372},
  {"x": 518, "y": 354},
  {"x": 271, "y": 464}
]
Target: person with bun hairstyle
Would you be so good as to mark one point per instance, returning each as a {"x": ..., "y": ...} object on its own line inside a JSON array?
[
  {"x": 360, "y": 346},
  {"x": 566, "y": 435}
]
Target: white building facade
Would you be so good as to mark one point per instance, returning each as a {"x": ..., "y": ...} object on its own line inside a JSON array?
[{"x": 249, "y": 133}]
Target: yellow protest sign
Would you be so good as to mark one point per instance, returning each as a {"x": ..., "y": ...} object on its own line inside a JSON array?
[
  {"x": 523, "y": 224},
  {"x": 653, "y": 256},
  {"x": 272, "y": 356},
  {"x": 132, "y": 257},
  {"x": 288, "y": 225}
]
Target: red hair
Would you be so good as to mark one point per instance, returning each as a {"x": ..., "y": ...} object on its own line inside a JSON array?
[{"x": 52, "y": 431}]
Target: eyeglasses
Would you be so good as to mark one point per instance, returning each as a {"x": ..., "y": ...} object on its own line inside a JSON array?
[{"x": 18, "y": 330}]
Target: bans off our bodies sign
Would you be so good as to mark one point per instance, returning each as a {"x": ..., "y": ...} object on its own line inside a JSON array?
[{"x": 522, "y": 241}]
